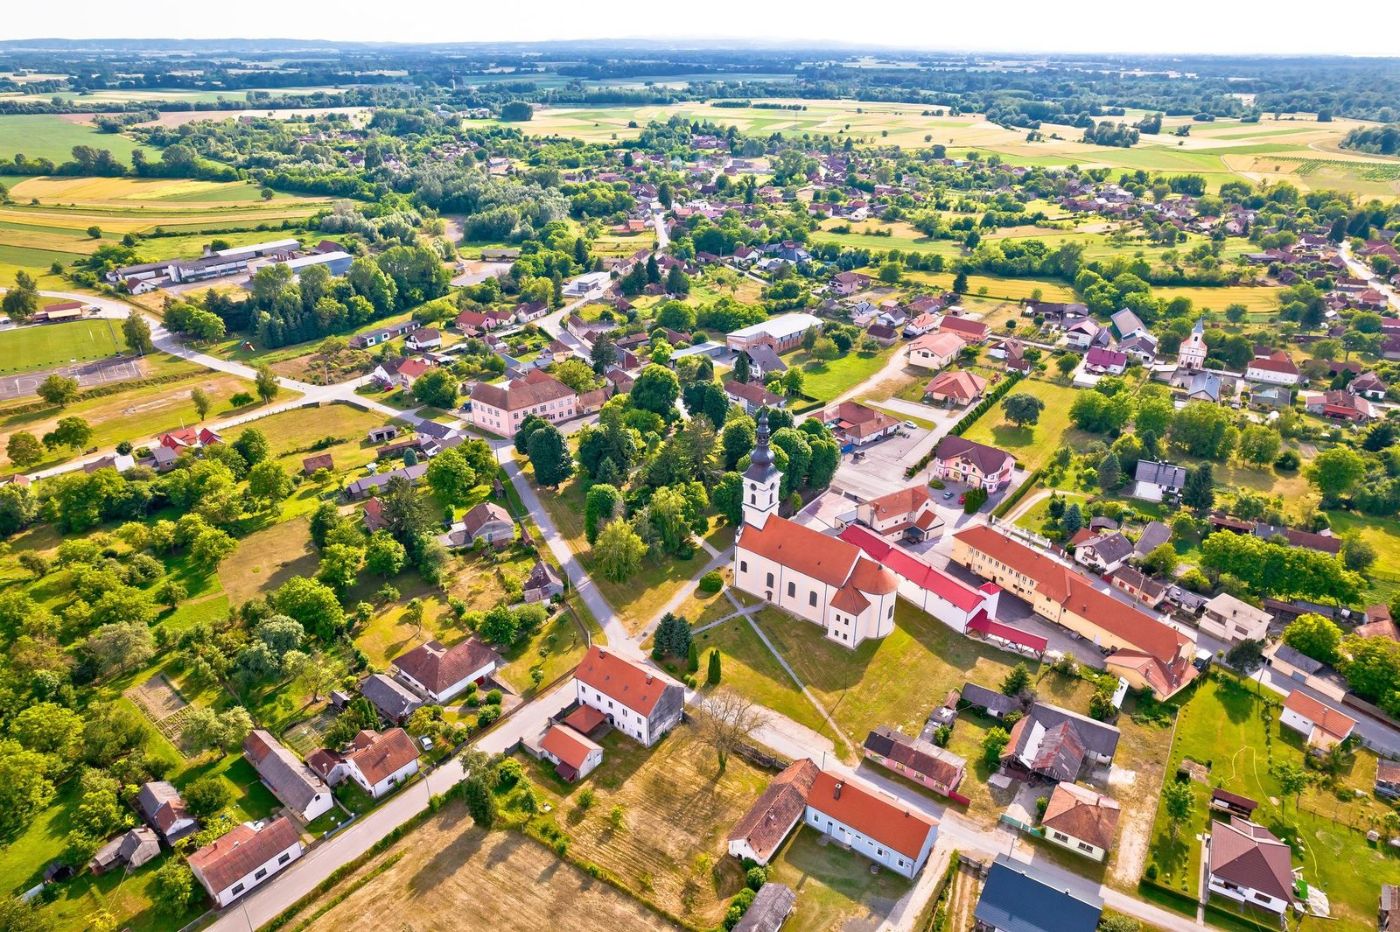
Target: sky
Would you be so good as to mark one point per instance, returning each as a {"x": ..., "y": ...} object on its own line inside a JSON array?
[{"x": 1361, "y": 27}]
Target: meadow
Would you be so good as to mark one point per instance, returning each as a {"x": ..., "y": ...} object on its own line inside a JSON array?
[{"x": 50, "y": 136}]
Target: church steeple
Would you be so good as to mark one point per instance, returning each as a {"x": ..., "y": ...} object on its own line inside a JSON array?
[{"x": 762, "y": 479}]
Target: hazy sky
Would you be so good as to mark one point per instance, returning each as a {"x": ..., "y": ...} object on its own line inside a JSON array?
[{"x": 1361, "y": 27}]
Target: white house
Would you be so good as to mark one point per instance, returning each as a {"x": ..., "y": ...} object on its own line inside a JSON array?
[
  {"x": 935, "y": 350},
  {"x": 1323, "y": 726},
  {"x": 907, "y": 512},
  {"x": 573, "y": 755},
  {"x": 589, "y": 281},
  {"x": 1231, "y": 620},
  {"x": 296, "y": 786},
  {"x": 1247, "y": 864},
  {"x": 868, "y": 821},
  {"x": 638, "y": 701},
  {"x": 377, "y": 761},
  {"x": 245, "y": 857},
  {"x": 501, "y": 409},
  {"x": 819, "y": 578},
  {"x": 972, "y": 463},
  {"x": 1104, "y": 552},
  {"x": 439, "y": 673},
  {"x": 1277, "y": 368},
  {"x": 759, "y": 834},
  {"x": 1080, "y": 820}
]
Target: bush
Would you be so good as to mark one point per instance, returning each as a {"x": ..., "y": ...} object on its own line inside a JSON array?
[
  {"x": 711, "y": 582},
  {"x": 755, "y": 877}
]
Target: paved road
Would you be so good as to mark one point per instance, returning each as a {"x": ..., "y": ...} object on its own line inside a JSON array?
[{"x": 1360, "y": 269}]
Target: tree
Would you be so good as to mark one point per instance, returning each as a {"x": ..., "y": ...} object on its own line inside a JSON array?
[
  {"x": 340, "y": 566},
  {"x": 481, "y": 803},
  {"x": 743, "y": 368},
  {"x": 618, "y": 552},
  {"x": 1201, "y": 428},
  {"x": 207, "y": 796},
  {"x": 451, "y": 476},
  {"x": 136, "y": 331},
  {"x": 1260, "y": 444},
  {"x": 436, "y": 387},
  {"x": 1335, "y": 472},
  {"x": 1358, "y": 554},
  {"x": 1022, "y": 409},
  {"x": 712, "y": 674},
  {"x": 602, "y": 504},
  {"x": 1066, "y": 363},
  {"x": 960, "y": 282},
  {"x": 656, "y": 389},
  {"x": 203, "y": 729},
  {"x": 1110, "y": 472},
  {"x": 993, "y": 743},
  {"x": 266, "y": 384},
  {"x": 59, "y": 390},
  {"x": 1016, "y": 681},
  {"x": 385, "y": 556},
  {"x": 252, "y": 445},
  {"x": 672, "y": 637},
  {"x": 1292, "y": 780},
  {"x": 1246, "y": 656},
  {"x": 313, "y": 604},
  {"x": 550, "y": 457},
  {"x": 317, "y": 675},
  {"x": 1198, "y": 491},
  {"x": 1177, "y": 802},
  {"x": 727, "y": 721},
  {"x": 69, "y": 432},
  {"x": 269, "y": 482},
  {"x": 24, "y": 449},
  {"x": 25, "y": 788},
  {"x": 173, "y": 888},
  {"x": 202, "y": 402},
  {"x": 120, "y": 646},
  {"x": 1160, "y": 561},
  {"x": 1314, "y": 635},
  {"x": 1072, "y": 520},
  {"x": 21, "y": 301}
]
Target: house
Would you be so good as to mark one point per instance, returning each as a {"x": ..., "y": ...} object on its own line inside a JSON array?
[
  {"x": 1056, "y": 743},
  {"x": 1247, "y": 864},
  {"x": 542, "y": 584},
  {"x": 487, "y": 522},
  {"x": 401, "y": 372},
  {"x": 367, "y": 485},
  {"x": 1086, "y": 333},
  {"x": 500, "y": 409},
  {"x": 955, "y": 389},
  {"x": 1369, "y": 386},
  {"x": 1154, "y": 481},
  {"x": 1128, "y": 324},
  {"x": 935, "y": 350},
  {"x": 1143, "y": 650},
  {"x": 771, "y": 906},
  {"x": 130, "y": 849},
  {"x": 1322, "y": 726},
  {"x": 1144, "y": 588},
  {"x": 1081, "y": 820},
  {"x": 1378, "y": 623},
  {"x": 295, "y": 785},
  {"x": 921, "y": 324},
  {"x": 822, "y": 579},
  {"x": 377, "y": 761},
  {"x": 1104, "y": 553},
  {"x": 587, "y": 282},
  {"x": 971, "y": 331},
  {"x": 1388, "y": 778},
  {"x": 439, "y": 673},
  {"x": 424, "y": 338},
  {"x": 764, "y": 361},
  {"x": 190, "y": 438},
  {"x": 988, "y": 701},
  {"x": 391, "y": 699},
  {"x": 244, "y": 858},
  {"x": 1055, "y": 314},
  {"x": 758, "y": 835},
  {"x": 1388, "y": 919},
  {"x": 752, "y": 396},
  {"x": 848, "y": 283},
  {"x": 1016, "y": 898},
  {"x": 884, "y": 334},
  {"x": 383, "y": 334},
  {"x": 781, "y": 333},
  {"x": 474, "y": 322},
  {"x": 1154, "y": 534},
  {"x": 382, "y": 434},
  {"x": 1102, "y": 361},
  {"x": 1275, "y": 368},
  {"x": 1232, "y": 620},
  {"x": 1341, "y": 405},
  {"x": 642, "y": 703},
  {"x": 915, "y": 759},
  {"x": 163, "y": 809},
  {"x": 573, "y": 755},
  {"x": 1203, "y": 386},
  {"x": 1192, "y": 352},
  {"x": 872, "y": 823},
  {"x": 314, "y": 464},
  {"x": 855, "y": 425},
  {"x": 531, "y": 310},
  {"x": 908, "y": 512},
  {"x": 1143, "y": 348},
  {"x": 977, "y": 465}
]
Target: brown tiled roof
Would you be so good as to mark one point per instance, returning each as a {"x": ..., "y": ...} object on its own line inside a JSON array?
[
  {"x": 241, "y": 851},
  {"x": 379, "y": 754},
  {"x": 768, "y": 820},
  {"x": 536, "y": 389},
  {"x": 753, "y": 393},
  {"x": 924, "y": 758},
  {"x": 883, "y": 819},
  {"x": 961, "y": 384},
  {"x": 484, "y": 513},
  {"x": 987, "y": 459},
  {"x": 974, "y": 328},
  {"x": 1334, "y": 723},
  {"x": 902, "y": 502},
  {"x": 637, "y": 687},
  {"x": 1249, "y": 855},
  {"x": 1083, "y": 814},
  {"x": 438, "y": 667}
]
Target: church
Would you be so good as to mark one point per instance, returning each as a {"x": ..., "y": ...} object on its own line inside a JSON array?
[{"x": 820, "y": 578}]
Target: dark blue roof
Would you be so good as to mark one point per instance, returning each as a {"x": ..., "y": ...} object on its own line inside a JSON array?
[{"x": 1015, "y": 900}]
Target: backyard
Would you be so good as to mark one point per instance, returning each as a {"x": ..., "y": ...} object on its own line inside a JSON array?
[{"x": 1035, "y": 444}]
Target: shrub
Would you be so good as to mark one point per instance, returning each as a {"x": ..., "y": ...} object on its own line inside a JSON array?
[
  {"x": 711, "y": 582},
  {"x": 585, "y": 799}
]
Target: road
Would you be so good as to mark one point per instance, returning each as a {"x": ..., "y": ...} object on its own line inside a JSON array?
[{"x": 1360, "y": 269}]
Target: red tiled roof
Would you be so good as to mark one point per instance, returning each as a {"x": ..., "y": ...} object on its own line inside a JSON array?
[
  {"x": 1083, "y": 814},
  {"x": 902, "y": 829},
  {"x": 1334, "y": 723},
  {"x": 961, "y": 384},
  {"x": 584, "y": 719},
  {"x": 773, "y": 814},
  {"x": 379, "y": 754},
  {"x": 798, "y": 547},
  {"x": 910, "y": 567},
  {"x": 635, "y": 686},
  {"x": 570, "y": 747},
  {"x": 439, "y": 668},
  {"x": 235, "y": 855}
]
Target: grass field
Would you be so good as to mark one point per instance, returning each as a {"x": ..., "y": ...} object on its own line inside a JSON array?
[
  {"x": 836, "y": 891},
  {"x": 825, "y": 380},
  {"x": 49, "y": 136},
  {"x": 1384, "y": 535},
  {"x": 47, "y": 346},
  {"x": 1033, "y": 445}
]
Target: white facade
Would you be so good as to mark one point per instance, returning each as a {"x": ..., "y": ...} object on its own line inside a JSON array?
[
  {"x": 629, "y": 721},
  {"x": 258, "y": 876},
  {"x": 810, "y": 599},
  {"x": 1231, "y": 620},
  {"x": 906, "y": 865},
  {"x": 1248, "y": 895},
  {"x": 448, "y": 692},
  {"x": 1078, "y": 845},
  {"x": 385, "y": 785},
  {"x": 1270, "y": 376}
]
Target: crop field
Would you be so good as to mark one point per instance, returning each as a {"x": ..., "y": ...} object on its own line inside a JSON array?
[
  {"x": 50, "y": 136},
  {"x": 48, "y": 345}
]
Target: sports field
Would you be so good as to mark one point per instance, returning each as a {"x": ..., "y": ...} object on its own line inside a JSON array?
[{"x": 48, "y": 345}]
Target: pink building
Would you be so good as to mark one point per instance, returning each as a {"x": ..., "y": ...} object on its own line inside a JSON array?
[{"x": 500, "y": 408}]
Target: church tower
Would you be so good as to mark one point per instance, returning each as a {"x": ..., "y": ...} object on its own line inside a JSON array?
[{"x": 762, "y": 480}]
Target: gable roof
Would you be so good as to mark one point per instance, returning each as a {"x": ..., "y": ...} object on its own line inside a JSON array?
[
  {"x": 987, "y": 459},
  {"x": 973, "y": 328},
  {"x": 1015, "y": 899},
  {"x": 939, "y": 343},
  {"x": 824, "y": 558},
  {"x": 379, "y": 754},
  {"x": 874, "y": 815},
  {"x": 637, "y": 687},
  {"x": 1331, "y": 721},
  {"x": 389, "y": 696},
  {"x": 439, "y": 668},
  {"x": 570, "y": 747},
  {"x": 990, "y": 699},
  {"x": 901, "y": 502},
  {"x": 911, "y": 567},
  {"x": 1249, "y": 855},
  {"x": 770, "y": 907},
  {"x": 244, "y": 849},
  {"x": 773, "y": 814},
  {"x": 534, "y": 389},
  {"x": 482, "y": 515},
  {"x": 161, "y": 804},
  {"x": 922, "y": 757},
  {"x": 290, "y": 780},
  {"x": 1081, "y": 813}
]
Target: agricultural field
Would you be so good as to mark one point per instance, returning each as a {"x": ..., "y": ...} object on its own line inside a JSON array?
[
  {"x": 50, "y": 345},
  {"x": 50, "y": 136}
]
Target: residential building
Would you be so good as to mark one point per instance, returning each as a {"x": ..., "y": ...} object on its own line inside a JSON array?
[
  {"x": 781, "y": 333},
  {"x": 759, "y": 834},
  {"x": 440, "y": 673},
  {"x": 848, "y": 283},
  {"x": 130, "y": 849},
  {"x": 771, "y": 906},
  {"x": 244, "y": 858},
  {"x": 311, "y": 465},
  {"x": 377, "y": 761},
  {"x": 1100, "y": 361},
  {"x": 424, "y": 338},
  {"x": 1203, "y": 386},
  {"x": 1103, "y": 552},
  {"x": 573, "y": 755},
  {"x": 906, "y": 513},
  {"x": 1369, "y": 386},
  {"x": 1144, "y": 588},
  {"x": 1388, "y": 919},
  {"x": 1322, "y": 726},
  {"x": 1388, "y": 778},
  {"x": 955, "y": 389},
  {"x": 190, "y": 438},
  {"x": 819, "y": 578},
  {"x": 1276, "y": 368},
  {"x": 640, "y": 702},
  {"x": 868, "y": 821},
  {"x": 162, "y": 807},
  {"x": 1232, "y": 620},
  {"x": 487, "y": 522},
  {"x": 1340, "y": 405},
  {"x": 1057, "y": 744},
  {"x": 1081, "y": 820},
  {"x": 958, "y": 459},
  {"x": 1016, "y": 898},
  {"x": 971, "y": 331},
  {"x": 391, "y": 699},
  {"x": 542, "y": 584},
  {"x": 1154, "y": 481},
  {"x": 400, "y": 373},
  {"x": 295, "y": 785},
  {"x": 936, "y": 350},
  {"x": 1154, "y": 534},
  {"x": 914, "y": 759},
  {"x": 1085, "y": 333},
  {"x": 1247, "y": 864},
  {"x": 855, "y": 425},
  {"x": 367, "y": 485},
  {"x": 500, "y": 409},
  {"x": 1128, "y": 324},
  {"x": 1143, "y": 348},
  {"x": 1378, "y": 623},
  {"x": 752, "y": 396},
  {"x": 764, "y": 361},
  {"x": 988, "y": 701},
  {"x": 1192, "y": 352},
  {"x": 1145, "y": 651}
]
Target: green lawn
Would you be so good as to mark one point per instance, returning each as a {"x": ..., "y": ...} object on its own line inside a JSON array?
[
  {"x": 1384, "y": 535},
  {"x": 836, "y": 888},
  {"x": 825, "y": 380},
  {"x": 49, "y": 345},
  {"x": 1033, "y": 446}
]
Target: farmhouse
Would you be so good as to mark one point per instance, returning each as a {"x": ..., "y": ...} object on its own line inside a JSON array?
[
  {"x": 487, "y": 522},
  {"x": 1102, "y": 361},
  {"x": 763, "y": 361},
  {"x": 638, "y": 701},
  {"x": 1081, "y": 820},
  {"x": 294, "y": 784},
  {"x": 500, "y": 409},
  {"x": 935, "y": 350},
  {"x": 401, "y": 372},
  {"x": 439, "y": 673},
  {"x": 1231, "y": 620},
  {"x": 190, "y": 438},
  {"x": 244, "y": 858},
  {"x": 162, "y": 807},
  {"x": 377, "y": 761},
  {"x": 909, "y": 513},
  {"x": 1056, "y": 743},
  {"x": 759, "y": 834},
  {"x": 542, "y": 584},
  {"x": 822, "y": 579},
  {"x": 424, "y": 338},
  {"x": 1145, "y": 651},
  {"x": 1128, "y": 324},
  {"x": 955, "y": 389},
  {"x": 367, "y": 485},
  {"x": 1015, "y": 898},
  {"x": 915, "y": 759},
  {"x": 848, "y": 283},
  {"x": 130, "y": 849},
  {"x": 958, "y": 459},
  {"x": 781, "y": 333},
  {"x": 1320, "y": 725},
  {"x": 1247, "y": 864},
  {"x": 875, "y": 825},
  {"x": 1102, "y": 552}
]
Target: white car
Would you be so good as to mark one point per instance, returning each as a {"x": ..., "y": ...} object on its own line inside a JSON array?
[{"x": 911, "y": 425}]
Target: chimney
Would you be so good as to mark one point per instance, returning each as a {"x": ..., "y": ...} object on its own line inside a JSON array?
[
  {"x": 837, "y": 793},
  {"x": 649, "y": 679}
]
